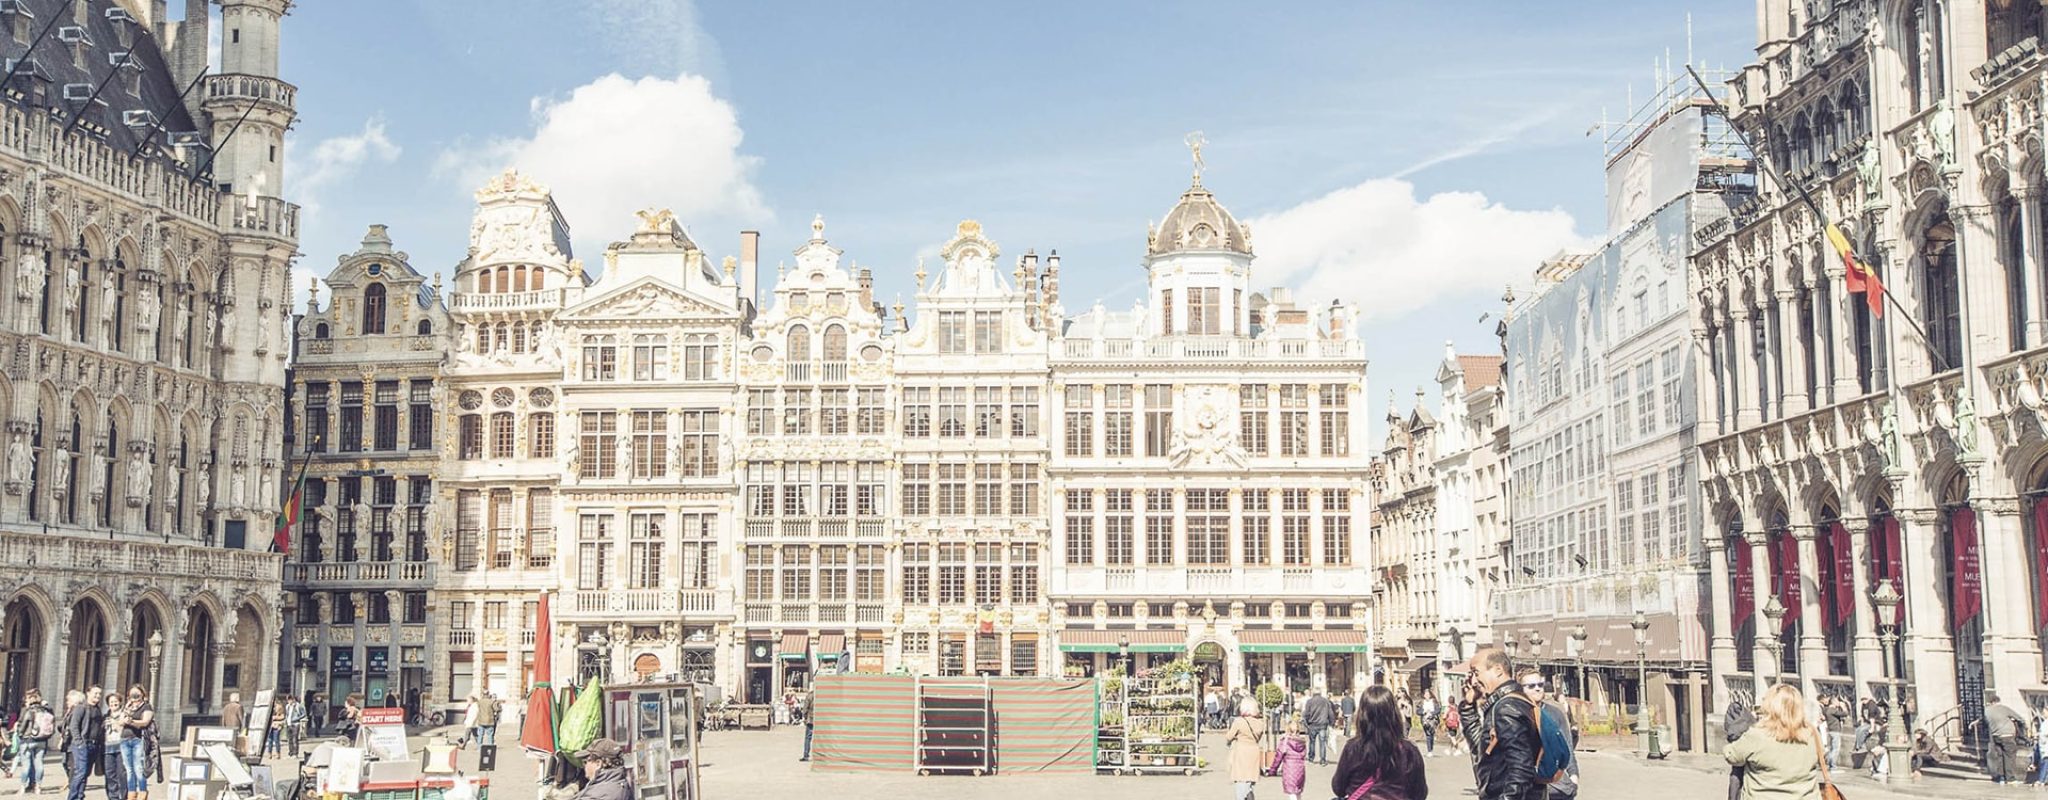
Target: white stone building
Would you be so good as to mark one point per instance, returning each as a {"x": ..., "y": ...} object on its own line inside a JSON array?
[
  {"x": 360, "y": 574},
  {"x": 145, "y": 313},
  {"x": 1210, "y": 489},
  {"x": 1471, "y": 499},
  {"x": 1406, "y": 548}
]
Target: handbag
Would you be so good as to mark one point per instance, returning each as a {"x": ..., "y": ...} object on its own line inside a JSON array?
[
  {"x": 1363, "y": 789},
  {"x": 1828, "y": 790}
]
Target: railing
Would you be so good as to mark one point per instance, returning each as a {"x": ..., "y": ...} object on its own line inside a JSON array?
[
  {"x": 835, "y": 372},
  {"x": 870, "y": 529},
  {"x": 1122, "y": 580},
  {"x": 492, "y": 301},
  {"x": 462, "y": 636},
  {"x": 1296, "y": 580},
  {"x": 797, "y": 371},
  {"x": 527, "y": 637},
  {"x": 377, "y": 572},
  {"x": 640, "y": 601},
  {"x": 263, "y": 215},
  {"x": 33, "y": 135},
  {"x": 864, "y": 614},
  {"x": 832, "y": 528},
  {"x": 43, "y": 552},
  {"x": 1212, "y": 348},
  {"x": 794, "y": 612},
  {"x": 760, "y": 529},
  {"x": 235, "y": 86},
  {"x": 698, "y": 600}
]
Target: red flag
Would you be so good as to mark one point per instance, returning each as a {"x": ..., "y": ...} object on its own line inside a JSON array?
[
  {"x": 1745, "y": 583},
  {"x": 1890, "y": 562},
  {"x": 1858, "y": 277},
  {"x": 1845, "y": 573},
  {"x": 1788, "y": 577},
  {"x": 2041, "y": 560},
  {"x": 1968, "y": 592},
  {"x": 288, "y": 517}
]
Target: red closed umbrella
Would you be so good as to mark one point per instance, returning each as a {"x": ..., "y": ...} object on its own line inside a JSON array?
[{"x": 538, "y": 733}]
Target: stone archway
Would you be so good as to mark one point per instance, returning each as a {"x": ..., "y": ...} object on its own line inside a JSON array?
[
  {"x": 646, "y": 666},
  {"x": 243, "y": 671},
  {"x": 200, "y": 660},
  {"x": 144, "y": 621},
  {"x": 87, "y": 661},
  {"x": 21, "y": 650}
]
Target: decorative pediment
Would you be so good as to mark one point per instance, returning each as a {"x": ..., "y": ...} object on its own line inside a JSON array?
[{"x": 644, "y": 299}]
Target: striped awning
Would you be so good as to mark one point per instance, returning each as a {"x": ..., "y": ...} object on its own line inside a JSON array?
[
  {"x": 1088, "y": 640},
  {"x": 829, "y": 646},
  {"x": 1328, "y": 641},
  {"x": 794, "y": 645}
]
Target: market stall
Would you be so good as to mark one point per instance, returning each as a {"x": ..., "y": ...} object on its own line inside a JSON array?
[{"x": 657, "y": 725}]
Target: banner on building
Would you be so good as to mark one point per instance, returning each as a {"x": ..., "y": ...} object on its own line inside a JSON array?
[
  {"x": 2041, "y": 562},
  {"x": 1845, "y": 572},
  {"x": 1967, "y": 596},
  {"x": 1745, "y": 581}
]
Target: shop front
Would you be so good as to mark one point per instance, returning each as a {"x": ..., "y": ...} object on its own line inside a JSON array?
[
  {"x": 1301, "y": 659},
  {"x": 1088, "y": 652}
]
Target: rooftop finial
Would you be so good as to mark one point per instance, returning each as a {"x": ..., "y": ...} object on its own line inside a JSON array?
[
  {"x": 1195, "y": 141},
  {"x": 818, "y": 227}
]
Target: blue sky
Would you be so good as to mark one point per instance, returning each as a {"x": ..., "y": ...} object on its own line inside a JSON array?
[{"x": 1410, "y": 157}]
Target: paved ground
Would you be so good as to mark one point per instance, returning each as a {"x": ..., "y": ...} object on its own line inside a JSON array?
[{"x": 763, "y": 764}]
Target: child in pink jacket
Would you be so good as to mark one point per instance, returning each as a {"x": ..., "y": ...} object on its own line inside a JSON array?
[{"x": 1290, "y": 761}]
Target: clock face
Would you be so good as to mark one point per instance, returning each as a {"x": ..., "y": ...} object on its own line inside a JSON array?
[{"x": 760, "y": 651}]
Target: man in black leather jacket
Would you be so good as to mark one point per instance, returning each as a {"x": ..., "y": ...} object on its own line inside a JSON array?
[{"x": 1499, "y": 729}]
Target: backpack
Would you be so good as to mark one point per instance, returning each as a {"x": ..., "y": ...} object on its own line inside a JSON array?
[
  {"x": 1553, "y": 743},
  {"x": 42, "y": 724}
]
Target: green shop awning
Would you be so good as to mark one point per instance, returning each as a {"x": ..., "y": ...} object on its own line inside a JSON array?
[
  {"x": 1088, "y": 640},
  {"x": 1325, "y": 641}
]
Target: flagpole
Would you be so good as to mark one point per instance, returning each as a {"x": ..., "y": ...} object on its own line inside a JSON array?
[
  {"x": 304, "y": 462},
  {"x": 1805, "y": 197}
]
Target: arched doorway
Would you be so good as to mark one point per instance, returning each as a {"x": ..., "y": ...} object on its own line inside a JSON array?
[
  {"x": 21, "y": 648},
  {"x": 145, "y": 621},
  {"x": 1208, "y": 658},
  {"x": 245, "y": 657},
  {"x": 1963, "y": 581},
  {"x": 88, "y": 667},
  {"x": 200, "y": 659}
]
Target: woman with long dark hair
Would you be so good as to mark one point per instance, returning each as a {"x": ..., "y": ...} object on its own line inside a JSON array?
[{"x": 1379, "y": 762}]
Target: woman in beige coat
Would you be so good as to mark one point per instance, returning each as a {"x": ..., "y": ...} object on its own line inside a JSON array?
[
  {"x": 1247, "y": 734},
  {"x": 1780, "y": 755}
]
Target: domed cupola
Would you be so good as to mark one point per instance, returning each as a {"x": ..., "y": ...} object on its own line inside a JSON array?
[{"x": 1198, "y": 223}]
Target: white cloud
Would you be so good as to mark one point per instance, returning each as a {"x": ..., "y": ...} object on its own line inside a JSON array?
[
  {"x": 337, "y": 158},
  {"x": 1378, "y": 245},
  {"x": 617, "y": 145}
]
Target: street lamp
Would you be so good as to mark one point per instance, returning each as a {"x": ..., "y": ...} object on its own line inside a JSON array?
[
  {"x": 1887, "y": 599},
  {"x": 156, "y": 659},
  {"x": 1641, "y": 624},
  {"x": 1514, "y": 647},
  {"x": 1535, "y": 644},
  {"x": 1314, "y": 669},
  {"x": 1579, "y": 651},
  {"x": 1774, "y": 611},
  {"x": 1123, "y": 651},
  {"x": 305, "y": 661}
]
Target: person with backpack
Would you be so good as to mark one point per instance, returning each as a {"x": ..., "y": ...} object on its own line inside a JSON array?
[
  {"x": 1498, "y": 723},
  {"x": 33, "y": 730},
  {"x": 1565, "y": 784}
]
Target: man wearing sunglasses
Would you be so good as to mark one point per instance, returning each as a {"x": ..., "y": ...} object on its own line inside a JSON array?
[
  {"x": 1494, "y": 719},
  {"x": 1538, "y": 691}
]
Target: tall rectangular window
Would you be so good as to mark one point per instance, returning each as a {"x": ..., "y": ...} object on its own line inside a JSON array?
[
  {"x": 870, "y": 573},
  {"x": 796, "y": 489},
  {"x": 700, "y": 360},
  {"x": 796, "y": 573},
  {"x": 832, "y": 412},
  {"x": 598, "y": 450},
  {"x": 1080, "y": 421},
  {"x": 540, "y": 528},
  {"x": 1023, "y": 411},
  {"x": 501, "y": 524},
  {"x": 650, "y": 444},
  {"x": 420, "y": 416},
  {"x": 1257, "y": 546},
  {"x": 1166, "y": 312},
  {"x": 1158, "y": 419},
  {"x": 760, "y": 412},
  {"x": 952, "y": 331},
  {"x": 1117, "y": 422},
  {"x": 952, "y": 412},
  {"x": 1618, "y": 395},
  {"x": 760, "y": 569},
  {"x": 796, "y": 412},
  {"x": 988, "y": 331},
  {"x": 650, "y": 358},
  {"x": 502, "y": 435},
  {"x": 316, "y": 418},
  {"x": 1646, "y": 399},
  {"x": 1159, "y": 548},
  {"x": 351, "y": 417},
  {"x": 952, "y": 589},
  {"x": 697, "y": 452},
  {"x": 1079, "y": 506},
  {"x": 1024, "y": 490},
  {"x": 1336, "y": 527},
  {"x": 386, "y": 432},
  {"x": 1671, "y": 364},
  {"x": 600, "y": 359},
  {"x": 917, "y": 412},
  {"x": 870, "y": 489},
  {"x": 917, "y": 490},
  {"x": 832, "y": 573},
  {"x": 470, "y": 437},
  {"x": 643, "y": 562},
  {"x": 540, "y": 433},
  {"x": 469, "y": 521},
  {"x": 988, "y": 411},
  {"x": 593, "y": 551},
  {"x": 1294, "y": 419},
  {"x": 1251, "y": 418},
  {"x": 1205, "y": 312},
  {"x": 952, "y": 490},
  {"x": 1294, "y": 550},
  {"x": 1119, "y": 528},
  {"x": 1208, "y": 523},
  {"x": 988, "y": 573},
  {"x": 1023, "y": 572},
  {"x": 917, "y": 574},
  {"x": 697, "y": 551},
  {"x": 988, "y": 490},
  {"x": 1336, "y": 427},
  {"x": 870, "y": 413}
]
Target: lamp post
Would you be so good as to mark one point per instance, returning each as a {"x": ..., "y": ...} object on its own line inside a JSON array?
[
  {"x": 305, "y": 671},
  {"x": 156, "y": 660},
  {"x": 1886, "y": 600},
  {"x": 1123, "y": 651},
  {"x": 1315, "y": 670},
  {"x": 1641, "y": 624},
  {"x": 1535, "y": 645},
  {"x": 1579, "y": 655},
  {"x": 1774, "y": 612}
]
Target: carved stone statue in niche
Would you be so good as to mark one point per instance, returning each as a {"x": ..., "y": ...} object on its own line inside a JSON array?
[
  {"x": 74, "y": 288},
  {"x": 624, "y": 467},
  {"x": 203, "y": 487},
  {"x": 238, "y": 488},
  {"x": 263, "y": 334},
  {"x": 29, "y": 272},
  {"x": 269, "y": 492},
  {"x": 97, "y": 478},
  {"x": 60, "y": 468},
  {"x": 178, "y": 326},
  {"x": 18, "y": 459},
  {"x": 110, "y": 299},
  {"x": 206, "y": 332}
]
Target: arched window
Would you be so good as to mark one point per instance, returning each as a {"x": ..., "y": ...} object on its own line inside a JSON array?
[
  {"x": 183, "y": 463},
  {"x": 116, "y": 297},
  {"x": 320, "y": 331},
  {"x": 519, "y": 279},
  {"x": 425, "y": 327},
  {"x": 35, "y": 469},
  {"x": 70, "y": 467},
  {"x": 799, "y": 345},
  {"x": 539, "y": 279},
  {"x": 504, "y": 280},
  {"x": 105, "y": 468},
  {"x": 373, "y": 309},
  {"x": 835, "y": 344},
  {"x": 2012, "y": 251},
  {"x": 1941, "y": 306},
  {"x": 2008, "y": 23}
]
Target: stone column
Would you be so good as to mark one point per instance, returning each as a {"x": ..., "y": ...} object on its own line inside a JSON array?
[
  {"x": 1760, "y": 578},
  {"x": 1813, "y": 647},
  {"x": 1792, "y": 392},
  {"x": 1842, "y": 332},
  {"x": 1929, "y": 648},
  {"x": 1721, "y": 646},
  {"x": 1704, "y": 380},
  {"x": 2028, "y": 197},
  {"x": 216, "y": 680},
  {"x": 1743, "y": 353},
  {"x": 2010, "y": 645},
  {"x": 1867, "y": 659}
]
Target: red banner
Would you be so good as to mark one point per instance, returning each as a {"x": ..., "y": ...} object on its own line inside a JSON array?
[
  {"x": 1785, "y": 565},
  {"x": 1967, "y": 595},
  {"x": 1745, "y": 583},
  {"x": 1844, "y": 558},
  {"x": 2041, "y": 561},
  {"x": 1888, "y": 562}
]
